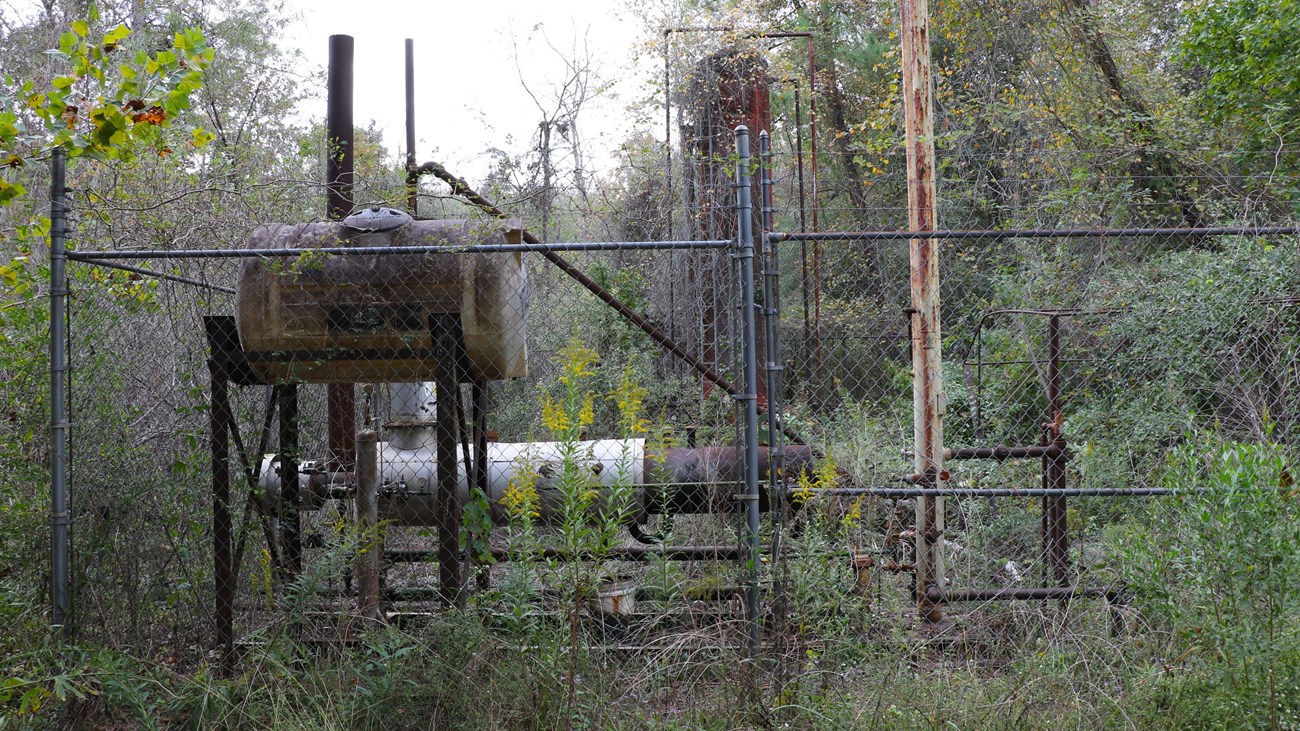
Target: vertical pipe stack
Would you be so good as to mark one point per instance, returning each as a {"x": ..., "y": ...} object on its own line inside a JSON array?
[
  {"x": 339, "y": 167},
  {"x": 748, "y": 398},
  {"x": 412, "y": 177},
  {"x": 927, "y": 377},
  {"x": 59, "y": 574}
]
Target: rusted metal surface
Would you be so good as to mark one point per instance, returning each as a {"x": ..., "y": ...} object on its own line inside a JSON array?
[
  {"x": 729, "y": 88},
  {"x": 927, "y": 379},
  {"x": 339, "y": 174},
  {"x": 339, "y": 160}
]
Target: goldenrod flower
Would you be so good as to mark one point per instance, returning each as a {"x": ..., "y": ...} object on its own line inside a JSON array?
[
  {"x": 554, "y": 417},
  {"x": 520, "y": 499},
  {"x": 575, "y": 360}
]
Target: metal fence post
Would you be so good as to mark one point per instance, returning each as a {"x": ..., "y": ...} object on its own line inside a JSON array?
[
  {"x": 748, "y": 397},
  {"x": 60, "y": 589},
  {"x": 772, "y": 305}
]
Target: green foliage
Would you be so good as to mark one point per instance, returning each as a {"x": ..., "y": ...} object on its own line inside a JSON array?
[
  {"x": 100, "y": 107},
  {"x": 1243, "y": 53},
  {"x": 1219, "y": 568}
]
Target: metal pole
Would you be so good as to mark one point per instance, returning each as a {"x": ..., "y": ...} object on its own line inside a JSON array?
[
  {"x": 1054, "y": 507},
  {"x": 668, "y": 130},
  {"x": 412, "y": 177},
  {"x": 60, "y": 584},
  {"x": 927, "y": 376},
  {"x": 447, "y": 353},
  {"x": 339, "y": 172},
  {"x": 372, "y": 551},
  {"x": 290, "y": 533},
  {"x": 748, "y": 399},
  {"x": 220, "y": 418},
  {"x": 771, "y": 322},
  {"x": 816, "y": 205},
  {"x": 803, "y": 224}
]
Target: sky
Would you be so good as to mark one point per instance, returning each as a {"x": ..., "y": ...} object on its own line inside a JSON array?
[{"x": 469, "y": 59}]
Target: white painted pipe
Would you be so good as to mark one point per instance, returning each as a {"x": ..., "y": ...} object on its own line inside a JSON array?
[{"x": 409, "y": 476}]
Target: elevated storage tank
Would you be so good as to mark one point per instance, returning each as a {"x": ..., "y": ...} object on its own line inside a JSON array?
[{"x": 345, "y": 318}]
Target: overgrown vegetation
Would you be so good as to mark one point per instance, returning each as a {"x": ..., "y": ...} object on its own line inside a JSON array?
[{"x": 1181, "y": 363}]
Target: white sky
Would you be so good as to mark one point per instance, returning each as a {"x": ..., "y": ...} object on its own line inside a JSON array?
[{"x": 468, "y": 94}]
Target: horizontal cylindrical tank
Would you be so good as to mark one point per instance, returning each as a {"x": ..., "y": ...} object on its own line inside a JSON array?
[
  {"x": 677, "y": 480},
  {"x": 348, "y": 318},
  {"x": 409, "y": 477}
]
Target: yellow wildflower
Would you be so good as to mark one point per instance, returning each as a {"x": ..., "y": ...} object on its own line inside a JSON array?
[
  {"x": 854, "y": 515},
  {"x": 520, "y": 499},
  {"x": 575, "y": 361},
  {"x": 630, "y": 399},
  {"x": 587, "y": 413},
  {"x": 554, "y": 417}
]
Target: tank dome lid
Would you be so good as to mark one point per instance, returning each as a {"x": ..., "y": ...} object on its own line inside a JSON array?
[{"x": 376, "y": 218}]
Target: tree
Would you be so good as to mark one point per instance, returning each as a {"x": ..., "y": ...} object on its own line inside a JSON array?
[{"x": 1241, "y": 56}]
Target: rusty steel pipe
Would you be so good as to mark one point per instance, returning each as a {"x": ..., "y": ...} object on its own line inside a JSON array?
[
  {"x": 339, "y": 176},
  {"x": 412, "y": 177}
]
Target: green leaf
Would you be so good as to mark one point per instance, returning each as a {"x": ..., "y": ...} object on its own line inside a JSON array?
[
  {"x": 116, "y": 35},
  {"x": 80, "y": 27}
]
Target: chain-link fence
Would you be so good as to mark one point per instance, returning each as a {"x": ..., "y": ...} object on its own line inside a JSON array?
[{"x": 585, "y": 395}]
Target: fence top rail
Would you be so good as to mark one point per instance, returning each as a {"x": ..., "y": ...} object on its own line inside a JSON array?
[
  {"x": 92, "y": 256},
  {"x": 1036, "y": 233}
]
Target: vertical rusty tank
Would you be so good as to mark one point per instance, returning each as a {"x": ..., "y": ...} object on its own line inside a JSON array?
[
  {"x": 727, "y": 88},
  {"x": 342, "y": 318}
]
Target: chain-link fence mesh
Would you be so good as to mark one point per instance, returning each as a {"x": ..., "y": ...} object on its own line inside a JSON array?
[{"x": 1159, "y": 335}]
